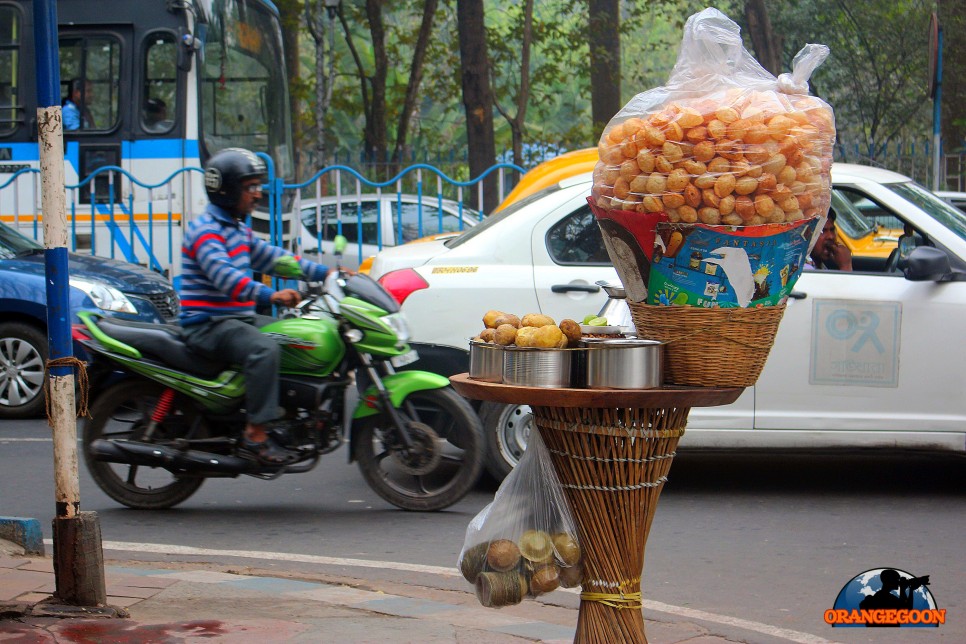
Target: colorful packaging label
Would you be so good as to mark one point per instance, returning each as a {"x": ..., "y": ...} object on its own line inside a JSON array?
[{"x": 727, "y": 266}]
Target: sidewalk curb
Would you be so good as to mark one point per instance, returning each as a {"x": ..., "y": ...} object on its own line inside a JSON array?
[{"x": 24, "y": 532}]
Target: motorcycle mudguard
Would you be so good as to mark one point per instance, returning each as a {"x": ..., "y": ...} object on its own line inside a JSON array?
[{"x": 399, "y": 385}]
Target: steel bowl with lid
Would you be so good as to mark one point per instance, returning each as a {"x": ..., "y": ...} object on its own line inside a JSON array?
[{"x": 623, "y": 363}]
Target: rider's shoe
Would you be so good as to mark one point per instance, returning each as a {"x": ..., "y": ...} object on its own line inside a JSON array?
[{"x": 266, "y": 452}]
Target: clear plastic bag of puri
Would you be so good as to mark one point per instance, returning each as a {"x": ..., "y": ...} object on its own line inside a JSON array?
[
  {"x": 524, "y": 543},
  {"x": 724, "y": 141}
]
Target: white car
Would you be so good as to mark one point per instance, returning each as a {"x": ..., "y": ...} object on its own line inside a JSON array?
[
  {"x": 386, "y": 220},
  {"x": 871, "y": 358}
]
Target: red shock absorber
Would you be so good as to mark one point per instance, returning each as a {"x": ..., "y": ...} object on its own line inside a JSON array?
[{"x": 163, "y": 406}]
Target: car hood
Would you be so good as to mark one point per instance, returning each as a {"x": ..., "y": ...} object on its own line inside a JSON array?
[
  {"x": 406, "y": 256},
  {"x": 126, "y": 277}
]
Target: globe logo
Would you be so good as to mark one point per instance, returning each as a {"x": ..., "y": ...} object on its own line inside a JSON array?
[{"x": 885, "y": 597}]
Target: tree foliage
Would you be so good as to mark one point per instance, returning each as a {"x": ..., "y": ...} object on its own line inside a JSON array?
[{"x": 875, "y": 78}]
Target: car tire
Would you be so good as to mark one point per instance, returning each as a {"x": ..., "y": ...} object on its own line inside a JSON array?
[
  {"x": 507, "y": 428},
  {"x": 23, "y": 356}
]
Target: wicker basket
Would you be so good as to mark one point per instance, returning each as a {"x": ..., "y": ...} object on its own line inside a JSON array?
[{"x": 720, "y": 347}]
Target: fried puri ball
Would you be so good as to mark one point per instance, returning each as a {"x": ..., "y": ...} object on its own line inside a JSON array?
[
  {"x": 571, "y": 330},
  {"x": 537, "y": 320},
  {"x": 507, "y": 318},
  {"x": 505, "y": 334}
]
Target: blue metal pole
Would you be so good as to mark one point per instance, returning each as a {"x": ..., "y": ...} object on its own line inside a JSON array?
[{"x": 60, "y": 391}]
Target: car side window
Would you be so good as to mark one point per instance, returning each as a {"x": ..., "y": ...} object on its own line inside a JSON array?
[
  {"x": 408, "y": 217},
  {"x": 576, "y": 239},
  {"x": 350, "y": 221}
]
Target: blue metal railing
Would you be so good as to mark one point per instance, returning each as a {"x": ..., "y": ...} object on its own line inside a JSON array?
[{"x": 115, "y": 208}]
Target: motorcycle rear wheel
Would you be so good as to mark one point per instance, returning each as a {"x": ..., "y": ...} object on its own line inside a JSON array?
[
  {"x": 447, "y": 459},
  {"x": 123, "y": 412}
]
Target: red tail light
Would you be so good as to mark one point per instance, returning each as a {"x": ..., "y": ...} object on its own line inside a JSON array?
[
  {"x": 79, "y": 332},
  {"x": 403, "y": 283}
]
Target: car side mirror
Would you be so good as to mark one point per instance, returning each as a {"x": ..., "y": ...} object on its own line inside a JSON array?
[{"x": 925, "y": 264}]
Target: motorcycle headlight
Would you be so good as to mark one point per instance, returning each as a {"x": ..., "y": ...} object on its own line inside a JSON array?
[
  {"x": 397, "y": 322},
  {"x": 104, "y": 297}
]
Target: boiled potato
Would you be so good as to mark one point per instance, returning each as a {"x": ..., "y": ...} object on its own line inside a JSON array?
[
  {"x": 525, "y": 336},
  {"x": 505, "y": 334},
  {"x": 571, "y": 330},
  {"x": 537, "y": 320},
  {"x": 490, "y": 318},
  {"x": 488, "y": 335},
  {"x": 548, "y": 336},
  {"x": 507, "y": 318}
]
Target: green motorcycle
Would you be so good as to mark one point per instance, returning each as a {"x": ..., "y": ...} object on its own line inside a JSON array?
[{"x": 171, "y": 418}]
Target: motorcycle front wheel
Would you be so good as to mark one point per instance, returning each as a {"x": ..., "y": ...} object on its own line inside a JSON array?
[
  {"x": 444, "y": 462},
  {"x": 123, "y": 412}
]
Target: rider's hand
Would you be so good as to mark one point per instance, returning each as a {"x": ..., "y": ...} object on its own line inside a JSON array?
[{"x": 286, "y": 297}]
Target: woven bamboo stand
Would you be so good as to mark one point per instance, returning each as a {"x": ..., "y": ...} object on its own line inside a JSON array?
[
  {"x": 612, "y": 451},
  {"x": 612, "y": 464}
]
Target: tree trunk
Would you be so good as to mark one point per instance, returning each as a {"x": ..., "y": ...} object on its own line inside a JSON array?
[
  {"x": 605, "y": 61},
  {"x": 767, "y": 43},
  {"x": 477, "y": 97},
  {"x": 952, "y": 19},
  {"x": 518, "y": 122},
  {"x": 376, "y": 143},
  {"x": 415, "y": 78}
]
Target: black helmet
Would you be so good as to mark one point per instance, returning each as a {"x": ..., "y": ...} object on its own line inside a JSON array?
[{"x": 225, "y": 172}]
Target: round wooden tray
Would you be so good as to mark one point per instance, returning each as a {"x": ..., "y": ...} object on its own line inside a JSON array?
[{"x": 568, "y": 397}]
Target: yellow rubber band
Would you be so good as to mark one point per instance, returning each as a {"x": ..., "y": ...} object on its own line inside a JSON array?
[{"x": 620, "y": 601}]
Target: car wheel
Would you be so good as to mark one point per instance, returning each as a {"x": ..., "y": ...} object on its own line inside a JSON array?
[
  {"x": 23, "y": 354},
  {"x": 507, "y": 429}
]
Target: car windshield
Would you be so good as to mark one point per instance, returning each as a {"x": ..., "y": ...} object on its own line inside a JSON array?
[
  {"x": 951, "y": 217},
  {"x": 13, "y": 243},
  {"x": 848, "y": 218},
  {"x": 496, "y": 217}
]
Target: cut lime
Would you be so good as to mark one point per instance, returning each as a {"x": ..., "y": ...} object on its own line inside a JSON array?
[
  {"x": 588, "y": 318},
  {"x": 598, "y": 322}
]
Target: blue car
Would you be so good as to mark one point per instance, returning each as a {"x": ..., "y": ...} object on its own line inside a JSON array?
[{"x": 101, "y": 285}]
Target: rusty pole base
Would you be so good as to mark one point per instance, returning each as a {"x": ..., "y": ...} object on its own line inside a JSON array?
[{"x": 79, "y": 560}]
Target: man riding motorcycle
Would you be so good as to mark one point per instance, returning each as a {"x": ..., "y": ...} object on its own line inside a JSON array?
[{"x": 219, "y": 294}]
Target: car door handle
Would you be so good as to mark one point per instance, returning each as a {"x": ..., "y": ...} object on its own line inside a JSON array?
[
  {"x": 580, "y": 288},
  {"x": 798, "y": 295}
]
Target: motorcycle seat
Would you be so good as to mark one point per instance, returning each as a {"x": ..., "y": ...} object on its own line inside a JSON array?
[{"x": 162, "y": 342}]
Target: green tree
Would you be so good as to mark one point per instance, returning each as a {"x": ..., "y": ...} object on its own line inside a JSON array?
[{"x": 875, "y": 77}]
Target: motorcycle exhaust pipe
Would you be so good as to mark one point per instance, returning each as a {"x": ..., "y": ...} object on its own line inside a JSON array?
[{"x": 134, "y": 453}]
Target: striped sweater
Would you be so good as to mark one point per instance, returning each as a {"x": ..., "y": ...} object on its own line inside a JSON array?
[{"x": 218, "y": 256}]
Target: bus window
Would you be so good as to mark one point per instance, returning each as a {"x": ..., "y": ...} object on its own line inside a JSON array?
[
  {"x": 244, "y": 98},
  {"x": 10, "y": 108},
  {"x": 89, "y": 67},
  {"x": 160, "y": 76}
]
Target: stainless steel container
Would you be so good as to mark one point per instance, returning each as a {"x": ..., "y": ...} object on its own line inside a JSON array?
[
  {"x": 533, "y": 367},
  {"x": 486, "y": 361},
  {"x": 624, "y": 363}
]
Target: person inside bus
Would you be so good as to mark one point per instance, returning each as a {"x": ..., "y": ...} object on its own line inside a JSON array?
[
  {"x": 219, "y": 295},
  {"x": 828, "y": 253},
  {"x": 156, "y": 116},
  {"x": 75, "y": 113}
]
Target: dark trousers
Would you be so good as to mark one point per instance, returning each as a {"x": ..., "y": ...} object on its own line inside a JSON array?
[{"x": 239, "y": 341}]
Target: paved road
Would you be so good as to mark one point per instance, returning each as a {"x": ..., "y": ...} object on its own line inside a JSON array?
[{"x": 764, "y": 537}]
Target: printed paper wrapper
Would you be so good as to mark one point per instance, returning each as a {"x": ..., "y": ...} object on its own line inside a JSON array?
[
  {"x": 629, "y": 239},
  {"x": 727, "y": 266}
]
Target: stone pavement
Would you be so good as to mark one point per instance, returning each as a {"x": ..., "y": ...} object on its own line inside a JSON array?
[{"x": 154, "y": 602}]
